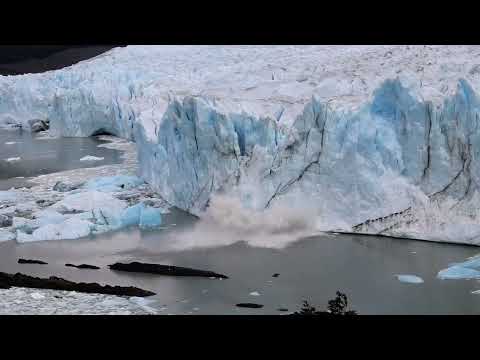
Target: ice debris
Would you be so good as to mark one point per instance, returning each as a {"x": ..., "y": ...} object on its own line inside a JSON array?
[
  {"x": 411, "y": 279},
  {"x": 91, "y": 158}
]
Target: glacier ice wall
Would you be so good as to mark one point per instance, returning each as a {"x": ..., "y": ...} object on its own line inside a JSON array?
[
  {"x": 367, "y": 152},
  {"x": 394, "y": 153}
]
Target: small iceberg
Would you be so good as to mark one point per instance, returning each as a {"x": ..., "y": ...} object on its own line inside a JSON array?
[
  {"x": 10, "y": 143},
  {"x": 91, "y": 158},
  {"x": 254, "y": 293},
  {"x": 411, "y": 279},
  {"x": 467, "y": 270},
  {"x": 13, "y": 159}
]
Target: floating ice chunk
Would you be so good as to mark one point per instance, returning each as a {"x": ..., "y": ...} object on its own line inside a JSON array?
[
  {"x": 10, "y": 196},
  {"x": 70, "y": 229},
  {"x": 10, "y": 142},
  {"x": 458, "y": 273},
  {"x": 131, "y": 215},
  {"x": 89, "y": 200},
  {"x": 114, "y": 183},
  {"x": 91, "y": 158},
  {"x": 49, "y": 216},
  {"x": 113, "y": 302},
  {"x": 412, "y": 279},
  {"x": 150, "y": 217},
  {"x": 143, "y": 304},
  {"x": 254, "y": 293},
  {"x": 476, "y": 292},
  {"x": 37, "y": 296},
  {"x": 469, "y": 269},
  {"x": 6, "y": 235},
  {"x": 13, "y": 159}
]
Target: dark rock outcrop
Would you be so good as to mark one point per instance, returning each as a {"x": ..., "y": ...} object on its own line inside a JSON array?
[
  {"x": 168, "y": 270},
  {"x": 250, "y": 305},
  {"x": 276, "y": 275},
  {"x": 55, "y": 283},
  {"x": 83, "y": 266},
  {"x": 26, "y": 261},
  {"x": 18, "y": 59}
]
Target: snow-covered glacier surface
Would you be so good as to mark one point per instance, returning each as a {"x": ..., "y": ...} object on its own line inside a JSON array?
[{"x": 369, "y": 139}]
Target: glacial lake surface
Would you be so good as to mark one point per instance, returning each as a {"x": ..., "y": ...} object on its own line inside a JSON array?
[{"x": 24, "y": 155}]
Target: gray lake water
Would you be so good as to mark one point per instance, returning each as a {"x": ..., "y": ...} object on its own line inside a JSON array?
[
  {"x": 310, "y": 269},
  {"x": 40, "y": 155}
]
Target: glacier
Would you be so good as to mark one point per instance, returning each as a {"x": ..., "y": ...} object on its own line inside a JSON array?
[{"x": 373, "y": 139}]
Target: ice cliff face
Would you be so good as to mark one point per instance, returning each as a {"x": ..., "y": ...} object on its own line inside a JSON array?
[
  {"x": 381, "y": 140},
  {"x": 392, "y": 154}
]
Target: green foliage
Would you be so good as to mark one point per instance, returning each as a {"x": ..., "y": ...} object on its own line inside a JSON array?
[{"x": 336, "y": 307}]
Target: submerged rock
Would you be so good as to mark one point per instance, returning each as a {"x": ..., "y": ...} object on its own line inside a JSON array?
[
  {"x": 168, "y": 270},
  {"x": 83, "y": 266},
  {"x": 55, "y": 283},
  {"x": 25, "y": 261}
]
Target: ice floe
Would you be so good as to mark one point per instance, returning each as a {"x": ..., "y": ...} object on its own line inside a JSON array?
[
  {"x": 91, "y": 158},
  {"x": 469, "y": 269},
  {"x": 411, "y": 279}
]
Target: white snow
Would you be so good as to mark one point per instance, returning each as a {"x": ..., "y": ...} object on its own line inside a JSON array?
[
  {"x": 91, "y": 158},
  {"x": 411, "y": 279}
]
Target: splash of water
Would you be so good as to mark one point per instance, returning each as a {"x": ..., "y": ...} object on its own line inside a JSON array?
[{"x": 227, "y": 221}]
